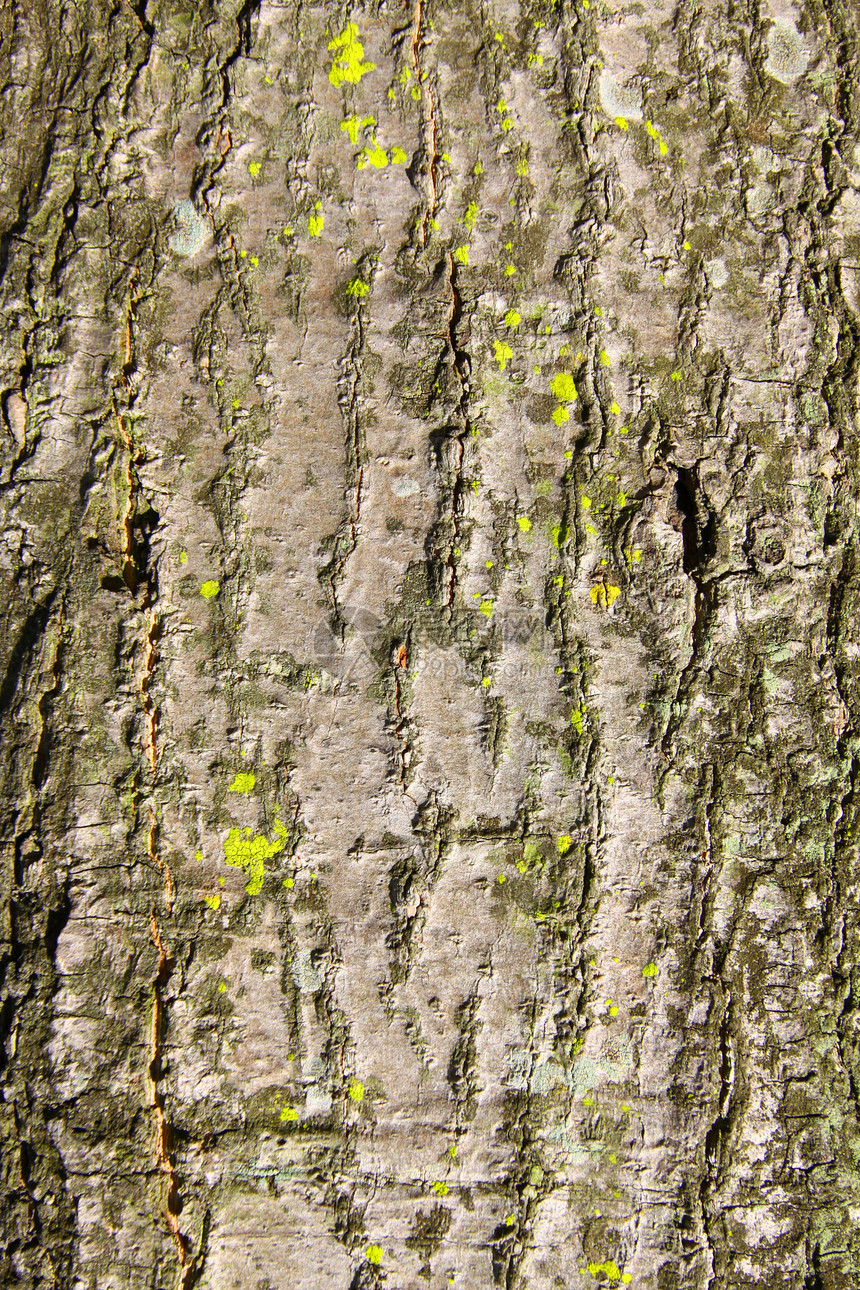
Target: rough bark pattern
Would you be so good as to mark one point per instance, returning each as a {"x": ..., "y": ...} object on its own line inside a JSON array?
[{"x": 431, "y": 595}]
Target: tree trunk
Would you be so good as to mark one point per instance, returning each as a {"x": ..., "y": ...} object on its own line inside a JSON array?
[{"x": 430, "y": 699}]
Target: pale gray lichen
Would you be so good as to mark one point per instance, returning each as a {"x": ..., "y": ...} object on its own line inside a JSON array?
[
  {"x": 192, "y": 230},
  {"x": 619, "y": 100},
  {"x": 787, "y": 58},
  {"x": 716, "y": 272}
]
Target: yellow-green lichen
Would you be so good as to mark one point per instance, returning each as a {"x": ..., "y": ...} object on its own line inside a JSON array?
[
  {"x": 650, "y": 969},
  {"x": 373, "y": 1254},
  {"x": 398, "y": 156},
  {"x": 471, "y": 215},
  {"x": 210, "y": 588},
  {"x": 357, "y": 288},
  {"x": 214, "y": 902},
  {"x": 254, "y": 169},
  {"x": 563, "y": 387},
  {"x": 372, "y": 155},
  {"x": 563, "y": 844},
  {"x": 348, "y": 66},
  {"x": 288, "y": 1115},
  {"x": 316, "y": 222},
  {"x": 610, "y": 1270},
  {"x": 512, "y": 318},
  {"x": 243, "y": 782},
  {"x": 356, "y": 1090},
  {"x": 352, "y": 124},
  {"x": 244, "y": 850},
  {"x": 604, "y": 594},
  {"x": 524, "y": 522},
  {"x": 560, "y": 414},
  {"x": 461, "y": 254},
  {"x": 502, "y": 352},
  {"x": 654, "y": 133},
  {"x": 440, "y": 1188}
]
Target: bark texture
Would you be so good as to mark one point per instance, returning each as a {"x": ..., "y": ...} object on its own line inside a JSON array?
[{"x": 431, "y": 625}]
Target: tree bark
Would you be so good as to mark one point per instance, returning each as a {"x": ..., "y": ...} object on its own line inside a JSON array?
[{"x": 430, "y": 700}]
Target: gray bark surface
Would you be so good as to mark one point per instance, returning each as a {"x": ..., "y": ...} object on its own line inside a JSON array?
[{"x": 429, "y": 698}]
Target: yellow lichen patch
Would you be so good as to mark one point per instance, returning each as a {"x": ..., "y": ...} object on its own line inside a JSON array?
[
  {"x": 614, "y": 408},
  {"x": 559, "y": 534},
  {"x": 471, "y": 215},
  {"x": 288, "y": 1115},
  {"x": 486, "y": 608},
  {"x": 373, "y": 1254},
  {"x": 352, "y": 124},
  {"x": 560, "y": 415},
  {"x": 655, "y": 134},
  {"x": 254, "y": 169},
  {"x": 523, "y": 168},
  {"x": 674, "y": 376},
  {"x": 605, "y": 360},
  {"x": 563, "y": 387},
  {"x": 650, "y": 969},
  {"x": 244, "y": 850},
  {"x": 586, "y": 502},
  {"x": 356, "y": 1090},
  {"x": 372, "y": 155},
  {"x": 576, "y": 719},
  {"x": 214, "y": 902},
  {"x": 398, "y": 156},
  {"x": 316, "y": 222},
  {"x": 440, "y": 1188},
  {"x": 604, "y": 594},
  {"x": 609, "y": 1269},
  {"x": 357, "y": 288},
  {"x": 183, "y": 557},
  {"x": 210, "y": 589},
  {"x": 512, "y": 318},
  {"x": 510, "y": 270},
  {"x": 621, "y": 122},
  {"x": 535, "y": 60},
  {"x": 563, "y": 844},
  {"x": 524, "y": 523},
  {"x": 348, "y": 66},
  {"x": 502, "y": 353},
  {"x": 461, "y": 254},
  {"x": 243, "y": 782}
]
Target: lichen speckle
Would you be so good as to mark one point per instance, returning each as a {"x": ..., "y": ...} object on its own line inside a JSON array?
[
  {"x": 243, "y": 782},
  {"x": 245, "y": 850},
  {"x": 349, "y": 65}
]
